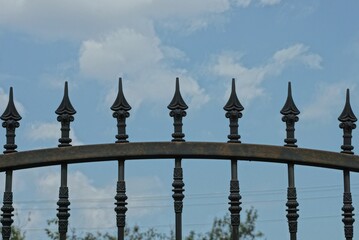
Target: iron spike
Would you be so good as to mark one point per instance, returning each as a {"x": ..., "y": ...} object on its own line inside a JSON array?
[
  {"x": 347, "y": 115},
  {"x": 10, "y": 112},
  {"x": 177, "y": 100},
  {"x": 289, "y": 106},
  {"x": 65, "y": 105},
  {"x": 120, "y": 102},
  {"x": 233, "y": 102}
]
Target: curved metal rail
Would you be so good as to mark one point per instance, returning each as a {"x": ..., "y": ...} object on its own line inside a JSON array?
[{"x": 170, "y": 150}]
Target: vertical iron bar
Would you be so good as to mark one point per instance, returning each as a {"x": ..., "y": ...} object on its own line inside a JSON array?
[
  {"x": 7, "y": 208},
  {"x": 292, "y": 204},
  {"x": 348, "y": 208},
  {"x": 63, "y": 203},
  {"x": 10, "y": 118},
  {"x": 121, "y": 201},
  {"x": 178, "y": 107},
  {"x": 234, "y": 198},
  {"x": 290, "y": 112},
  {"x": 178, "y": 196},
  {"x": 347, "y": 119},
  {"x": 65, "y": 113},
  {"x": 121, "y": 108},
  {"x": 233, "y": 110}
]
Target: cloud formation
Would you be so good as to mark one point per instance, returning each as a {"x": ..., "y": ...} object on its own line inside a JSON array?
[
  {"x": 327, "y": 105},
  {"x": 84, "y": 20},
  {"x": 246, "y": 3},
  {"x": 92, "y": 206},
  {"x": 143, "y": 61},
  {"x": 250, "y": 78},
  {"x": 49, "y": 131}
]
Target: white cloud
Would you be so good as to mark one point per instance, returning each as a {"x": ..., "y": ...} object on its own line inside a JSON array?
[
  {"x": 143, "y": 62},
  {"x": 88, "y": 201},
  {"x": 85, "y": 19},
  {"x": 49, "y": 131},
  {"x": 243, "y": 3},
  {"x": 246, "y": 3},
  {"x": 250, "y": 78},
  {"x": 297, "y": 52},
  {"x": 328, "y": 103},
  {"x": 269, "y": 2}
]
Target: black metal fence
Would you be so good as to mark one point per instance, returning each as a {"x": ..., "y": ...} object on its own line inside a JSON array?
[{"x": 177, "y": 149}]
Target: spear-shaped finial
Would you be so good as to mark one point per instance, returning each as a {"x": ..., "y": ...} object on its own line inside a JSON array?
[
  {"x": 290, "y": 112},
  {"x": 347, "y": 119},
  {"x": 177, "y": 107},
  {"x": 10, "y": 118},
  {"x": 121, "y": 108},
  {"x": 65, "y": 105},
  {"x": 10, "y": 112},
  {"x": 65, "y": 112},
  {"x": 233, "y": 108}
]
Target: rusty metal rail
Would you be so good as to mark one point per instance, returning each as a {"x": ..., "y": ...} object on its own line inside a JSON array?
[
  {"x": 122, "y": 151},
  {"x": 186, "y": 150}
]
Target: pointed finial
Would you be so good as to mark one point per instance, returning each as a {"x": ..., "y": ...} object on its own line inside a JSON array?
[
  {"x": 121, "y": 108},
  {"x": 347, "y": 115},
  {"x": 10, "y": 118},
  {"x": 290, "y": 112},
  {"x": 120, "y": 102},
  {"x": 233, "y": 108},
  {"x": 65, "y": 106},
  {"x": 177, "y": 100},
  {"x": 10, "y": 112},
  {"x": 233, "y": 102},
  {"x": 347, "y": 119},
  {"x": 177, "y": 107},
  {"x": 65, "y": 112},
  {"x": 289, "y": 106}
]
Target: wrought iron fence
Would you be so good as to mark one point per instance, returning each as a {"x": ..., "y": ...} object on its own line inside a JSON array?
[{"x": 178, "y": 149}]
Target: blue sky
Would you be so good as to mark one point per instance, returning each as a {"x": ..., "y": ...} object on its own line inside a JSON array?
[{"x": 262, "y": 43}]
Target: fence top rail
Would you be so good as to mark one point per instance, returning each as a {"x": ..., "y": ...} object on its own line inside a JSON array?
[{"x": 186, "y": 150}]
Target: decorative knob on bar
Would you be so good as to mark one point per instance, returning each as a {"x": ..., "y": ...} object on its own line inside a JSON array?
[
  {"x": 65, "y": 112},
  {"x": 121, "y": 108},
  {"x": 177, "y": 107},
  {"x": 347, "y": 119},
  {"x": 10, "y": 118},
  {"x": 233, "y": 108},
  {"x": 290, "y": 112}
]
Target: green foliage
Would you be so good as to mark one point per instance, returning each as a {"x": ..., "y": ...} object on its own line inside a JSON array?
[
  {"x": 136, "y": 234},
  {"x": 73, "y": 234},
  {"x": 221, "y": 230},
  {"x": 17, "y": 234}
]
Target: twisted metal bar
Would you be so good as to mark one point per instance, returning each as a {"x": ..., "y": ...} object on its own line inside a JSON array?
[
  {"x": 10, "y": 118},
  {"x": 65, "y": 113},
  {"x": 290, "y": 112},
  {"x": 347, "y": 119}
]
